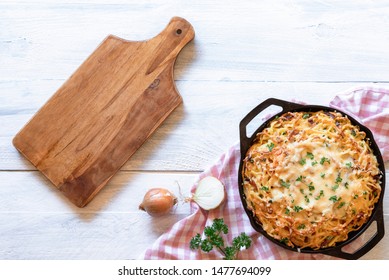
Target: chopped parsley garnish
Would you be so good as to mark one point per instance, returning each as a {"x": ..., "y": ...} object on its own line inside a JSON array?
[
  {"x": 311, "y": 186},
  {"x": 310, "y": 155},
  {"x": 322, "y": 175},
  {"x": 334, "y": 187},
  {"x": 285, "y": 184},
  {"x": 341, "y": 204},
  {"x": 346, "y": 185},
  {"x": 264, "y": 188},
  {"x": 334, "y": 198},
  {"x": 306, "y": 199},
  {"x": 353, "y": 133},
  {"x": 338, "y": 179},
  {"x": 287, "y": 211},
  {"x": 300, "y": 178},
  {"x": 284, "y": 240},
  {"x": 321, "y": 194},
  {"x": 270, "y": 146},
  {"x": 349, "y": 164},
  {"x": 324, "y": 160},
  {"x": 297, "y": 208},
  {"x": 302, "y": 161},
  {"x": 313, "y": 163},
  {"x": 302, "y": 226},
  {"x": 306, "y": 116}
]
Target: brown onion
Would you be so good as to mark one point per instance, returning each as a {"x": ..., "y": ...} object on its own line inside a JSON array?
[{"x": 158, "y": 201}]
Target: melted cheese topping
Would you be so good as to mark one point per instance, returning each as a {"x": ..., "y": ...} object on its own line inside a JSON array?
[{"x": 310, "y": 178}]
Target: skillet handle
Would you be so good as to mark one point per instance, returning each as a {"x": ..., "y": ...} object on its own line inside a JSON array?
[
  {"x": 285, "y": 105},
  {"x": 379, "y": 218}
]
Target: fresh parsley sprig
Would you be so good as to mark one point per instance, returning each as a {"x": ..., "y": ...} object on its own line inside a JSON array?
[{"x": 214, "y": 239}]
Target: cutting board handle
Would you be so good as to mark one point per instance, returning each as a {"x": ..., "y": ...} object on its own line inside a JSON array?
[
  {"x": 170, "y": 42},
  {"x": 179, "y": 28}
]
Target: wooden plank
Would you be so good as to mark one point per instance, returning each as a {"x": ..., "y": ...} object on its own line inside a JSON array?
[
  {"x": 113, "y": 236},
  {"x": 111, "y": 227},
  {"x": 123, "y": 193},
  {"x": 177, "y": 144},
  {"x": 51, "y": 236},
  {"x": 283, "y": 41}
]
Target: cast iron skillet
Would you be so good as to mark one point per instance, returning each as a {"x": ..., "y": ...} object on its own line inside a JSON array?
[{"x": 377, "y": 214}]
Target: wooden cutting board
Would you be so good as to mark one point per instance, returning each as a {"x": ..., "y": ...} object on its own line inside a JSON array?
[{"x": 105, "y": 111}]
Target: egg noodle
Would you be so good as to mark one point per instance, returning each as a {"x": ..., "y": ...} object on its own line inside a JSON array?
[{"x": 310, "y": 178}]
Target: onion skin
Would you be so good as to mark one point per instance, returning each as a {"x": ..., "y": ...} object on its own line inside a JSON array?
[{"x": 158, "y": 202}]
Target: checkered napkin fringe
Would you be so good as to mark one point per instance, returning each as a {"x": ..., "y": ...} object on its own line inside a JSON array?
[{"x": 369, "y": 105}]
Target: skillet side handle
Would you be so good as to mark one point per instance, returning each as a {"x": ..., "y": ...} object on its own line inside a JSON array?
[
  {"x": 379, "y": 218},
  {"x": 285, "y": 105}
]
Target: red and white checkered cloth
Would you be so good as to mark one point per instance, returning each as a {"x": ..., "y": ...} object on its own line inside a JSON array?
[{"x": 369, "y": 105}]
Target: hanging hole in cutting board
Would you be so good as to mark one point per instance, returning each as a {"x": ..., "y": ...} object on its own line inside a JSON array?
[{"x": 178, "y": 31}]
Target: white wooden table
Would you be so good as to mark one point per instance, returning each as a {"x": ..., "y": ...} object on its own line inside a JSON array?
[{"x": 244, "y": 52}]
